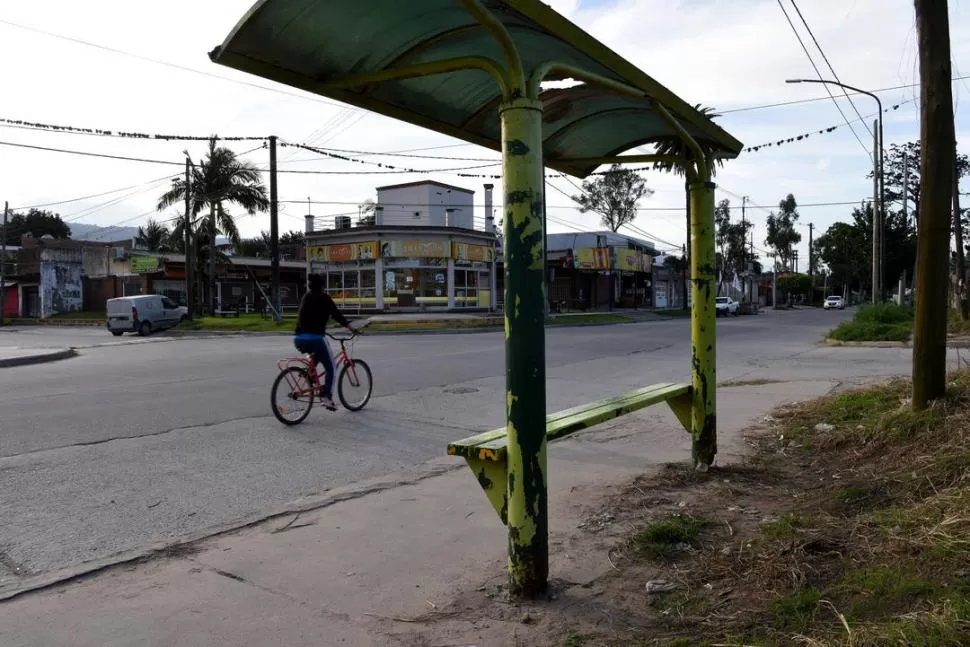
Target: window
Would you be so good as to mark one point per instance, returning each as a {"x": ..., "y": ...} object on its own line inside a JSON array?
[{"x": 168, "y": 304}]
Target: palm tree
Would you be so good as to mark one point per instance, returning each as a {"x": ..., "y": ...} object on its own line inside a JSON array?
[
  {"x": 678, "y": 147},
  {"x": 153, "y": 237},
  {"x": 220, "y": 178}
]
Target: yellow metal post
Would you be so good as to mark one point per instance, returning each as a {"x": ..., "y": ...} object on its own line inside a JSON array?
[
  {"x": 703, "y": 320},
  {"x": 528, "y": 502}
]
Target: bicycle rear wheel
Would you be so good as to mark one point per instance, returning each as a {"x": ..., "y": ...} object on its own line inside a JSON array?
[
  {"x": 290, "y": 397},
  {"x": 355, "y": 386}
]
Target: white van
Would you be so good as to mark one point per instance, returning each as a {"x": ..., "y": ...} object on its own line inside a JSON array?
[{"x": 143, "y": 314}]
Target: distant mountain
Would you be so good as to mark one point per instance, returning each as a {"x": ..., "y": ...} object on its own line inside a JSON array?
[{"x": 80, "y": 231}]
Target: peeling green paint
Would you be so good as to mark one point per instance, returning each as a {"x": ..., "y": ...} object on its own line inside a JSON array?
[
  {"x": 525, "y": 347},
  {"x": 703, "y": 324}
]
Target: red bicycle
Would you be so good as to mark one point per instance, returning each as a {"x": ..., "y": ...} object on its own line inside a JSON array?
[{"x": 298, "y": 383}]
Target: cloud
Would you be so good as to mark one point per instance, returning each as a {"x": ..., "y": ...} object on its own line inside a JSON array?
[{"x": 723, "y": 54}]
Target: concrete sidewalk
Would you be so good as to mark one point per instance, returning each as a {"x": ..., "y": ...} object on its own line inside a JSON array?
[
  {"x": 14, "y": 356},
  {"x": 375, "y": 563}
]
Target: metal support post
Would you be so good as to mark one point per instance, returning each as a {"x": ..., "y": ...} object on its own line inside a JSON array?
[
  {"x": 528, "y": 503},
  {"x": 703, "y": 320}
]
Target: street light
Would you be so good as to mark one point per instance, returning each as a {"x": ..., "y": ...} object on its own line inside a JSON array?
[{"x": 878, "y": 195}]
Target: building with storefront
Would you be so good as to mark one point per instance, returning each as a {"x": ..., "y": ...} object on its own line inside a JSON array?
[
  {"x": 420, "y": 252},
  {"x": 594, "y": 269}
]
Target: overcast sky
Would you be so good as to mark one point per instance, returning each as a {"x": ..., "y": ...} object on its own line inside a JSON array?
[{"x": 733, "y": 55}]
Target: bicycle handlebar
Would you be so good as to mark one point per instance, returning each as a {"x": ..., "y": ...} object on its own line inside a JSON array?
[{"x": 356, "y": 333}]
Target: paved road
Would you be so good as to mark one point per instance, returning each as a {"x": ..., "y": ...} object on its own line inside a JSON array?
[{"x": 145, "y": 441}]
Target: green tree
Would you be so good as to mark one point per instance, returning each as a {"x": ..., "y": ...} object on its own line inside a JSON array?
[
  {"x": 153, "y": 237},
  {"x": 35, "y": 223},
  {"x": 795, "y": 285},
  {"x": 221, "y": 178},
  {"x": 367, "y": 213},
  {"x": 722, "y": 224},
  {"x": 782, "y": 234},
  {"x": 842, "y": 249},
  {"x": 257, "y": 247},
  {"x": 614, "y": 196}
]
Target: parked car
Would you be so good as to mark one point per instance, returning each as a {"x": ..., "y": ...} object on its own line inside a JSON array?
[
  {"x": 834, "y": 302},
  {"x": 144, "y": 314},
  {"x": 726, "y": 306}
]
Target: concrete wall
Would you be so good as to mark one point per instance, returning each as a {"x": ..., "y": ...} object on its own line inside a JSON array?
[
  {"x": 422, "y": 206},
  {"x": 61, "y": 287},
  {"x": 103, "y": 261}
]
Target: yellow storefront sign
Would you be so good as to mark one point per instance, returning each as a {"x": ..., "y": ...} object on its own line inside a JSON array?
[
  {"x": 343, "y": 253},
  {"x": 415, "y": 249},
  {"x": 472, "y": 253},
  {"x": 627, "y": 260},
  {"x": 592, "y": 258}
]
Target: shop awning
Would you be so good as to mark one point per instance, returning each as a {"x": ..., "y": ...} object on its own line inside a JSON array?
[{"x": 316, "y": 44}]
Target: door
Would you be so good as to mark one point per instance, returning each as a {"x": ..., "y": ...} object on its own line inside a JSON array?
[{"x": 170, "y": 312}]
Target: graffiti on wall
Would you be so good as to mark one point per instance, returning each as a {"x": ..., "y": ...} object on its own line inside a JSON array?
[{"x": 60, "y": 284}]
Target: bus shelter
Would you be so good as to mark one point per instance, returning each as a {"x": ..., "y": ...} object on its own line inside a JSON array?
[{"x": 475, "y": 69}]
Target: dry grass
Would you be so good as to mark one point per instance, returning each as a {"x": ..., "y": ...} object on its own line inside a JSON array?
[{"x": 855, "y": 535}]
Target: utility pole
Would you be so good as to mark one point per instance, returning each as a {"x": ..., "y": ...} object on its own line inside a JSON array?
[
  {"x": 751, "y": 284},
  {"x": 811, "y": 257},
  {"x": 687, "y": 243},
  {"x": 774, "y": 281},
  {"x": 936, "y": 183},
  {"x": 189, "y": 270},
  {"x": 958, "y": 240},
  {"x": 744, "y": 200},
  {"x": 906, "y": 187},
  {"x": 3, "y": 263},
  {"x": 876, "y": 233},
  {"x": 274, "y": 231}
]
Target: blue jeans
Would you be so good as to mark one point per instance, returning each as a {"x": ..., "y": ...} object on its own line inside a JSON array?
[{"x": 317, "y": 346}]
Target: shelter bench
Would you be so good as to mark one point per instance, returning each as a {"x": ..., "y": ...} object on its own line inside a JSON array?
[{"x": 486, "y": 453}]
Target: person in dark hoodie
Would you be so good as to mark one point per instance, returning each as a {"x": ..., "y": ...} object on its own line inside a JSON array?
[{"x": 316, "y": 310}]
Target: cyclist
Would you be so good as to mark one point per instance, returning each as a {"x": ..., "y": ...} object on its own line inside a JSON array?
[{"x": 316, "y": 309}]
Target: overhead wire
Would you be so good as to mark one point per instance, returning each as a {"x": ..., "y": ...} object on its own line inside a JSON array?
[
  {"x": 87, "y": 197},
  {"x": 819, "y": 73},
  {"x": 176, "y": 66},
  {"x": 829, "y": 64}
]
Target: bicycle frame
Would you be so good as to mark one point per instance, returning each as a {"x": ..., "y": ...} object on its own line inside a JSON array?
[{"x": 306, "y": 363}]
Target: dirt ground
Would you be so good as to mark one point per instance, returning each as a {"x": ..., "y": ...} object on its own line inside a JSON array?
[{"x": 826, "y": 535}]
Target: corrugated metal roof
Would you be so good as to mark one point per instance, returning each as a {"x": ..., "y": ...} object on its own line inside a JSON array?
[{"x": 315, "y": 44}]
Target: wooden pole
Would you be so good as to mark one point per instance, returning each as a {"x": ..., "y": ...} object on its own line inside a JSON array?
[
  {"x": 936, "y": 184},
  {"x": 964, "y": 305}
]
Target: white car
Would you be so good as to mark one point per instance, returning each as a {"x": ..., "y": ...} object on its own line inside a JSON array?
[
  {"x": 834, "y": 302},
  {"x": 726, "y": 306},
  {"x": 144, "y": 314}
]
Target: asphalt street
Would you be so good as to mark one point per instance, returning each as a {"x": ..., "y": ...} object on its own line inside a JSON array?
[{"x": 139, "y": 442}]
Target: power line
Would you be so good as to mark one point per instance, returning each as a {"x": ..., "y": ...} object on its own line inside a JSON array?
[
  {"x": 823, "y": 131},
  {"x": 389, "y": 168},
  {"x": 815, "y": 67},
  {"x": 784, "y": 104},
  {"x": 87, "y": 154},
  {"x": 88, "y": 197},
  {"x": 831, "y": 69},
  {"x": 176, "y": 66},
  {"x": 98, "y": 132}
]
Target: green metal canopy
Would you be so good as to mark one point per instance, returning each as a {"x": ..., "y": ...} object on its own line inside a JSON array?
[{"x": 358, "y": 51}]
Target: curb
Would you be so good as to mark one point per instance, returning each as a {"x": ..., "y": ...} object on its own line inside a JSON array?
[
  {"x": 866, "y": 344},
  {"x": 63, "y": 323},
  {"x": 38, "y": 358}
]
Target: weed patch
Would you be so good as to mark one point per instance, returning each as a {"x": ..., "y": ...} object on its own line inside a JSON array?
[{"x": 664, "y": 539}]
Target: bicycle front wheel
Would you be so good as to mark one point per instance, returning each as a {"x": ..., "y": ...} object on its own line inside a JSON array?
[
  {"x": 354, "y": 386},
  {"x": 292, "y": 395}
]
